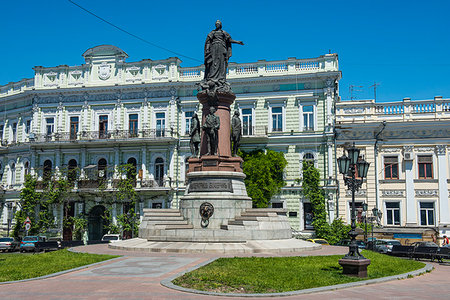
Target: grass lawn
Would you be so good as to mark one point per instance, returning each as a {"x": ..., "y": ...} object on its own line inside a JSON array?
[
  {"x": 16, "y": 266},
  {"x": 282, "y": 274}
]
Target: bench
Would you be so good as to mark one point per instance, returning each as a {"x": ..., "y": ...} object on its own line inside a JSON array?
[{"x": 442, "y": 253}]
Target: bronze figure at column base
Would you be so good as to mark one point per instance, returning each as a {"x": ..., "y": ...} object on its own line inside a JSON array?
[{"x": 215, "y": 163}]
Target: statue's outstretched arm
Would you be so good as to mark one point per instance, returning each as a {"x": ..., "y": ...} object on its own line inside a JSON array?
[{"x": 236, "y": 42}]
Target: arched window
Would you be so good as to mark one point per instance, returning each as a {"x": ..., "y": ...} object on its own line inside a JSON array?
[
  {"x": 13, "y": 173},
  {"x": 309, "y": 157},
  {"x": 47, "y": 170},
  {"x": 159, "y": 171},
  {"x": 27, "y": 168},
  {"x": 131, "y": 173},
  {"x": 102, "y": 165},
  {"x": 72, "y": 170}
]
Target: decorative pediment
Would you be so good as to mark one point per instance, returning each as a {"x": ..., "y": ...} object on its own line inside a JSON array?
[{"x": 160, "y": 72}]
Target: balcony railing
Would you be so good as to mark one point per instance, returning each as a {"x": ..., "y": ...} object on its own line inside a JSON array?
[
  {"x": 99, "y": 135},
  {"x": 106, "y": 184},
  {"x": 368, "y": 110}
]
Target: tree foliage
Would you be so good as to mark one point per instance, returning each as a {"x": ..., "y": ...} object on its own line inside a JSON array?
[
  {"x": 333, "y": 232},
  {"x": 264, "y": 172},
  {"x": 36, "y": 206}
]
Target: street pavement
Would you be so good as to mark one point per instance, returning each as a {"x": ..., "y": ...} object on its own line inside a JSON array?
[{"x": 137, "y": 275}]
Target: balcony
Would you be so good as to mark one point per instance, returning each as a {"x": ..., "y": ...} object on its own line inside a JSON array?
[
  {"x": 406, "y": 110},
  {"x": 105, "y": 135}
]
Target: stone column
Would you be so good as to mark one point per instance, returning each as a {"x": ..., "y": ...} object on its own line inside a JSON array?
[
  {"x": 83, "y": 162},
  {"x": 411, "y": 211},
  {"x": 223, "y": 111},
  {"x": 444, "y": 211},
  {"x": 144, "y": 162},
  {"x": 330, "y": 159}
]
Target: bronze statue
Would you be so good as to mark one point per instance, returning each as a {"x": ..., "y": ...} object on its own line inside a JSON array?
[
  {"x": 217, "y": 52},
  {"x": 194, "y": 133},
  {"x": 211, "y": 128},
  {"x": 236, "y": 132}
]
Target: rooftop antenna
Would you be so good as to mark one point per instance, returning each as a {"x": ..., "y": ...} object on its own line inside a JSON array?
[
  {"x": 374, "y": 85},
  {"x": 352, "y": 89}
]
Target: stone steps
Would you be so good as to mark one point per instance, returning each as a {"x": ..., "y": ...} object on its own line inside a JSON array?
[{"x": 167, "y": 222}]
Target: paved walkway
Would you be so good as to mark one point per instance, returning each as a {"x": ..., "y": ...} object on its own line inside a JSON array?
[{"x": 138, "y": 276}]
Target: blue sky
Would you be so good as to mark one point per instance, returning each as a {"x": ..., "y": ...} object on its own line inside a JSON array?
[{"x": 402, "y": 45}]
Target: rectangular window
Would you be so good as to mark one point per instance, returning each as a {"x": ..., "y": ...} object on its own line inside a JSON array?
[
  {"x": 14, "y": 131},
  {"x": 308, "y": 118},
  {"x": 426, "y": 213},
  {"x": 74, "y": 123},
  {"x": 1, "y": 131},
  {"x": 187, "y": 121},
  {"x": 27, "y": 126},
  {"x": 390, "y": 167},
  {"x": 103, "y": 127},
  {"x": 277, "y": 119},
  {"x": 425, "y": 164},
  {"x": 160, "y": 124},
  {"x": 393, "y": 213},
  {"x": 247, "y": 121},
  {"x": 133, "y": 125},
  {"x": 50, "y": 125}
]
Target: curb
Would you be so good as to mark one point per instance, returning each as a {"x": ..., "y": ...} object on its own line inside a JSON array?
[
  {"x": 62, "y": 272},
  {"x": 168, "y": 283}
]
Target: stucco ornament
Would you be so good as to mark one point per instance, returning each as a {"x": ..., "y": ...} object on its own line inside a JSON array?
[{"x": 104, "y": 71}]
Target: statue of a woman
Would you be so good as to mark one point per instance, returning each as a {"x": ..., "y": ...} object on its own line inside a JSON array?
[{"x": 217, "y": 52}]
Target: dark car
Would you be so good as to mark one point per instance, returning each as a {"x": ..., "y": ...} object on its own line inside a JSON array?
[
  {"x": 424, "y": 244},
  {"x": 9, "y": 244},
  {"x": 343, "y": 243}
]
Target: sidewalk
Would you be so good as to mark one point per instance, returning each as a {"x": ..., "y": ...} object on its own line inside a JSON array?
[{"x": 138, "y": 276}]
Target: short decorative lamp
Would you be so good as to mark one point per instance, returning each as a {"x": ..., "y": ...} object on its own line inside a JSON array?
[{"x": 349, "y": 166}]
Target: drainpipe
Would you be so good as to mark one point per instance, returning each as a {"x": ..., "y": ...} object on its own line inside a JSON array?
[{"x": 377, "y": 138}]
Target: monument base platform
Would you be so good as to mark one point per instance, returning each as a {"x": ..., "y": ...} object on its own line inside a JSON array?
[
  {"x": 355, "y": 267},
  {"x": 257, "y": 246},
  {"x": 215, "y": 163}
]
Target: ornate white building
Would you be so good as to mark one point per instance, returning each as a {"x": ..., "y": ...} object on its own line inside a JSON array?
[
  {"x": 408, "y": 146},
  {"x": 108, "y": 112}
]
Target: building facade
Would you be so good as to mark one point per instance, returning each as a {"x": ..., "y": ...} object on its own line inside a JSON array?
[
  {"x": 407, "y": 144},
  {"x": 108, "y": 112}
]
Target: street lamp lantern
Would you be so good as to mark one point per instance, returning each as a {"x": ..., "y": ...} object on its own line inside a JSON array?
[
  {"x": 353, "y": 154},
  {"x": 353, "y": 263},
  {"x": 363, "y": 168},
  {"x": 344, "y": 164},
  {"x": 364, "y": 206},
  {"x": 375, "y": 211}
]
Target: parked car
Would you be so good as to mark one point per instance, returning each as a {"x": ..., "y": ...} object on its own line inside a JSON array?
[
  {"x": 318, "y": 241},
  {"x": 343, "y": 243},
  {"x": 9, "y": 244},
  {"x": 424, "y": 244},
  {"x": 28, "y": 242},
  {"x": 385, "y": 246},
  {"x": 361, "y": 244},
  {"x": 111, "y": 238}
]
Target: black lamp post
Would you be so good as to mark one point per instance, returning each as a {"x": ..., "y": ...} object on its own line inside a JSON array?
[
  {"x": 365, "y": 207},
  {"x": 353, "y": 262}
]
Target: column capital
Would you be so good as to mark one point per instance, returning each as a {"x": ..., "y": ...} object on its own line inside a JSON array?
[{"x": 440, "y": 149}]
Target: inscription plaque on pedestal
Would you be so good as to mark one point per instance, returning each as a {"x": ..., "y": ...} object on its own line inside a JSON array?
[{"x": 211, "y": 185}]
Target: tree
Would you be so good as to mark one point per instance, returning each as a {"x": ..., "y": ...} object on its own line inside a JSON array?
[
  {"x": 312, "y": 191},
  {"x": 264, "y": 172},
  {"x": 125, "y": 193},
  {"x": 333, "y": 232},
  {"x": 34, "y": 206}
]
